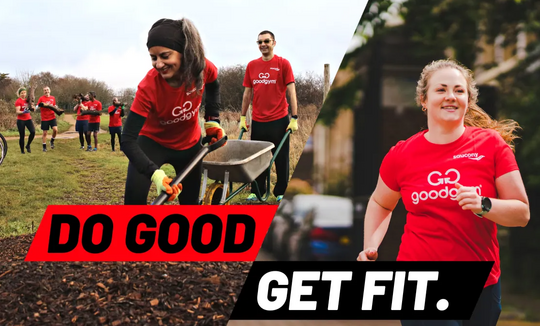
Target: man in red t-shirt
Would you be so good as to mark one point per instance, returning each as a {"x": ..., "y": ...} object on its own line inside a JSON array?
[
  {"x": 116, "y": 112},
  {"x": 267, "y": 81},
  {"x": 48, "y": 118},
  {"x": 93, "y": 124}
]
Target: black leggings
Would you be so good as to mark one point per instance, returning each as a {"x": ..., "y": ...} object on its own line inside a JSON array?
[
  {"x": 82, "y": 136},
  {"x": 115, "y": 131},
  {"x": 273, "y": 131},
  {"x": 486, "y": 312},
  {"x": 21, "y": 124},
  {"x": 138, "y": 185}
]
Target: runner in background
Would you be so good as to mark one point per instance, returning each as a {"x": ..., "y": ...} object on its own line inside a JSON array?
[
  {"x": 116, "y": 112},
  {"x": 93, "y": 124},
  {"x": 267, "y": 81},
  {"x": 24, "y": 120},
  {"x": 81, "y": 125},
  {"x": 457, "y": 180},
  {"x": 48, "y": 118}
]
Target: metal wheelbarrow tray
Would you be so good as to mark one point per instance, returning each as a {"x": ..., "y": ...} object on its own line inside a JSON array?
[{"x": 244, "y": 160}]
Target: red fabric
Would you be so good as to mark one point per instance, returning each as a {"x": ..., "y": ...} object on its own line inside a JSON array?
[
  {"x": 172, "y": 114},
  {"x": 115, "y": 120},
  {"x": 22, "y": 103},
  {"x": 269, "y": 80},
  {"x": 94, "y": 105},
  {"x": 47, "y": 114},
  {"x": 425, "y": 174},
  {"x": 82, "y": 117}
]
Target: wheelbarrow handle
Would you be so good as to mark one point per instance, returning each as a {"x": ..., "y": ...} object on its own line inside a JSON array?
[
  {"x": 242, "y": 130},
  {"x": 205, "y": 150}
]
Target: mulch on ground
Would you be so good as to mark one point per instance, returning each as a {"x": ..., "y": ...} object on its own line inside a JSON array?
[{"x": 115, "y": 293}]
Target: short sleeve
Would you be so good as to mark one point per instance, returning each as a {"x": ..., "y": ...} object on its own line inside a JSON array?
[
  {"x": 211, "y": 72},
  {"x": 388, "y": 170},
  {"x": 505, "y": 160},
  {"x": 110, "y": 108},
  {"x": 142, "y": 102},
  {"x": 247, "y": 79},
  {"x": 99, "y": 107},
  {"x": 40, "y": 100},
  {"x": 288, "y": 76}
]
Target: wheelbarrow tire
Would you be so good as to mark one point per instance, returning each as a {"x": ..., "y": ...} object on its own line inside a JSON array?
[{"x": 213, "y": 194}]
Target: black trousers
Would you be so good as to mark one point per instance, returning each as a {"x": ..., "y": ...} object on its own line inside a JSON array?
[
  {"x": 115, "y": 131},
  {"x": 138, "y": 185},
  {"x": 273, "y": 132},
  {"x": 21, "y": 125}
]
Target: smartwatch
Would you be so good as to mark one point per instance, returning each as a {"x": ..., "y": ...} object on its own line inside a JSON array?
[{"x": 486, "y": 206}]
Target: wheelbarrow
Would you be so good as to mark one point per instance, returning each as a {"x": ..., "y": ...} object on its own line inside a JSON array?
[{"x": 241, "y": 161}]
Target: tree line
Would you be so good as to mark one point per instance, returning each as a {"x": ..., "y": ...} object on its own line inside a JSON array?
[{"x": 309, "y": 88}]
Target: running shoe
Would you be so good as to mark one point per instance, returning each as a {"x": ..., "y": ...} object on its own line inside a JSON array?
[
  {"x": 95, "y": 149},
  {"x": 279, "y": 198}
]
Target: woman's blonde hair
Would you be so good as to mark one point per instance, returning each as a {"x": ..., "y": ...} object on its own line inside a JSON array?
[{"x": 475, "y": 116}]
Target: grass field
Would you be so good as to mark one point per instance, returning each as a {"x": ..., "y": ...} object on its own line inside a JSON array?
[
  {"x": 62, "y": 127},
  {"x": 68, "y": 175}
]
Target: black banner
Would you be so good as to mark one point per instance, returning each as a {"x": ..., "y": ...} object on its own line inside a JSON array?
[{"x": 361, "y": 290}]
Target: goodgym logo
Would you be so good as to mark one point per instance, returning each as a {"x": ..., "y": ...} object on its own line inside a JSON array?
[
  {"x": 437, "y": 178},
  {"x": 264, "y": 79}
]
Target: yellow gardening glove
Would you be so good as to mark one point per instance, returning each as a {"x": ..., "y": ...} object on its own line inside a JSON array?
[
  {"x": 243, "y": 124},
  {"x": 293, "y": 125},
  {"x": 214, "y": 130},
  {"x": 163, "y": 183}
]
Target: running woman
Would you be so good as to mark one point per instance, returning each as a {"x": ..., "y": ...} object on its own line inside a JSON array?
[
  {"x": 267, "y": 81},
  {"x": 24, "y": 120},
  {"x": 458, "y": 179},
  {"x": 116, "y": 112},
  {"x": 163, "y": 124},
  {"x": 48, "y": 118}
]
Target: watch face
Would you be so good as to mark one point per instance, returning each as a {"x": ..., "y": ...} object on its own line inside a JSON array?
[{"x": 486, "y": 204}]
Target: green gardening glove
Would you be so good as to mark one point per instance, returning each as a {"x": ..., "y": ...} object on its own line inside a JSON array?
[
  {"x": 163, "y": 183},
  {"x": 293, "y": 125},
  {"x": 243, "y": 124}
]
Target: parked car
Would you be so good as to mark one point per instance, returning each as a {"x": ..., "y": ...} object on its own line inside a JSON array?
[
  {"x": 324, "y": 233},
  {"x": 290, "y": 225}
]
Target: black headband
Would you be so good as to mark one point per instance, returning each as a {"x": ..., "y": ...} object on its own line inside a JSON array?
[{"x": 167, "y": 33}]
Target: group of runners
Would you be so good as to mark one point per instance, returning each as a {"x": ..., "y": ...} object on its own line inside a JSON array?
[{"x": 88, "y": 110}]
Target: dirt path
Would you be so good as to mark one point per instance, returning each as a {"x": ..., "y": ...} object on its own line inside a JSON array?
[{"x": 69, "y": 134}]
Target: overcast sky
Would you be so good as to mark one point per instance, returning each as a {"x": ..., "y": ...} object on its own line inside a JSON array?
[{"x": 106, "y": 40}]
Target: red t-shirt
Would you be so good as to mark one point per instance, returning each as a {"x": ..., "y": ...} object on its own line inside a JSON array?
[
  {"x": 172, "y": 114},
  {"x": 115, "y": 120},
  {"x": 22, "y": 103},
  {"x": 46, "y": 113},
  {"x": 425, "y": 174},
  {"x": 94, "y": 105},
  {"x": 269, "y": 80},
  {"x": 82, "y": 117}
]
